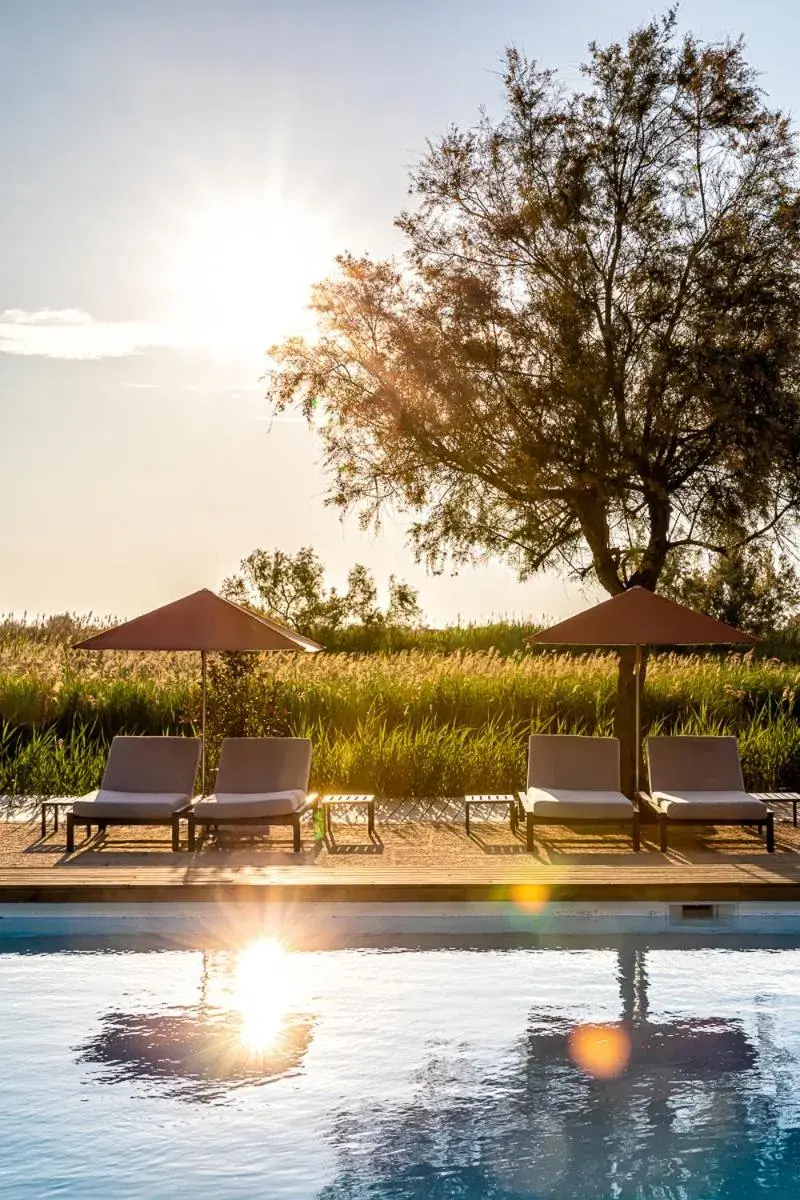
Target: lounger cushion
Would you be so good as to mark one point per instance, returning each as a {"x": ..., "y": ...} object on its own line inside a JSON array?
[
  {"x": 257, "y": 766},
  {"x": 682, "y": 764},
  {"x": 710, "y": 806},
  {"x": 152, "y": 765},
  {"x": 116, "y": 806},
  {"x": 228, "y": 806},
  {"x": 572, "y": 804},
  {"x": 573, "y": 762}
]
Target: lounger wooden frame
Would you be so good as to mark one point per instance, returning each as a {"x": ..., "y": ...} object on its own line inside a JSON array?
[
  {"x": 212, "y": 821},
  {"x": 631, "y": 825},
  {"x": 664, "y": 822},
  {"x": 171, "y": 819}
]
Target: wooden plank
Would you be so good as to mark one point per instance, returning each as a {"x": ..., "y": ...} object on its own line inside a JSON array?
[{"x": 495, "y": 879}]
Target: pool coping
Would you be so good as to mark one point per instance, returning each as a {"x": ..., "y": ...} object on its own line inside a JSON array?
[{"x": 307, "y": 925}]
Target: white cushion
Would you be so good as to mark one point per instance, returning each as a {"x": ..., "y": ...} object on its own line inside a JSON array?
[
  {"x": 711, "y": 806},
  {"x": 228, "y": 806},
  {"x": 567, "y": 804},
  {"x": 117, "y": 805}
]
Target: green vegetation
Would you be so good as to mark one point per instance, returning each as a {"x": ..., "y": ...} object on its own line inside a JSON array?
[
  {"x": 440, "y": 720},
  {"x": 585, "y": 354},
  {"x": 292, "y": 588}
]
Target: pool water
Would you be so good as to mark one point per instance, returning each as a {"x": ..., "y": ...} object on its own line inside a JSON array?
[{"x": 618, "y": 1070}]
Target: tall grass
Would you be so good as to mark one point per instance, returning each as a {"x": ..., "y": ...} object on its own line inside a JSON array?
[{"x": 413, "y": 722}]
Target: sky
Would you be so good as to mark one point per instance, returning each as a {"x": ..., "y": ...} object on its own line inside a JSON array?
[{"x": 174, "y": 175}]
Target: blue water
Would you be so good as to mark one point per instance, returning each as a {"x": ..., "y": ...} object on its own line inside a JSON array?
[{"x": 402, "y": 1073}]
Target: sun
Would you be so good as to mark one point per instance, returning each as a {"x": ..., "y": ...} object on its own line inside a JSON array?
[{"x": 243, "y": 268}]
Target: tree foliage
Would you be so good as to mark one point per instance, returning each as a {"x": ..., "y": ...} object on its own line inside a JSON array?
[
  {"x": 587, "y": 358},
  {"x": 292, "y": 588},
  {"x": 748, "y": 589}
]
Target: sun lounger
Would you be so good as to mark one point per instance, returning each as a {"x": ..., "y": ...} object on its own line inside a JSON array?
[
  {"x": 260, "y": 782},
  {"x": 147, "y": 781},
  {"x": 698, "y": 781},
  {"x": 575, "y": 781}
]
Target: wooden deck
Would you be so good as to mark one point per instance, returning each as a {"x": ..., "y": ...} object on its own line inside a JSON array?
[
  {"x": 530, "y": 884},
  {"x": 420, "y": 852}
]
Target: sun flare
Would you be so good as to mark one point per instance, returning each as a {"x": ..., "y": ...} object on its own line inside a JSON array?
[
  {"x": 243, "y": 268},
  {"x": 262, "y": 992}
]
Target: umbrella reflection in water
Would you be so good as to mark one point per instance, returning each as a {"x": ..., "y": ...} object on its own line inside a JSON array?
[
  {"x": 682, "y": 1115},
  {"x": 242, "y": 1031}
]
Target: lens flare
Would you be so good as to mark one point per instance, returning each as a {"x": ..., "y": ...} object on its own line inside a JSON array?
[
  {"x": 530, "y": 897},
  {"x": 600, "y": 1050},
  {"x": 262, "y": 992}
]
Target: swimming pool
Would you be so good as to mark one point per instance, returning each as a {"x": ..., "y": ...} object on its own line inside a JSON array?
[{"x": 549, "y": 1067}]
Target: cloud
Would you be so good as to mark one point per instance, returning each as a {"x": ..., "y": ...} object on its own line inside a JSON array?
[
  {"x": 47, "y": 316},
  {"x": 73, "y": 333}
]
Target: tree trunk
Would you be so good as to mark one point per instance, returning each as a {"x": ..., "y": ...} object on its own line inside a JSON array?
[{"x": 625, "y": 726}]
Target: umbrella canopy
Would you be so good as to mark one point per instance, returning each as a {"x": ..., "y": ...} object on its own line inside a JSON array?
[
  {"x": 201, "y": 621},
  {"x": 638, "y": 618}
]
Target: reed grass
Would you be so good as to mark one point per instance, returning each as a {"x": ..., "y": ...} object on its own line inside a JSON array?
[{"x": 413, "y": 722}]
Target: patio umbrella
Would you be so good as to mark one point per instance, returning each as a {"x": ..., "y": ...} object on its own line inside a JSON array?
[
  {"x": 637, "y": 618},
  {"x": 202, "y": 621}
]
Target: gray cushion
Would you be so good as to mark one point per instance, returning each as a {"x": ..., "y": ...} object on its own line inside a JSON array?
[
  {"x": 568, "y": 804},
  {"x": 573, "y": 762},
  {"x": 116, "y": 806},
  {"x": 259, "y": 765},
  {"x": 156, "y": 765},
  {"x": 714, "y": 805},
  {"x": 694, "y": 764},
  {"x": 224, "y": 806}
]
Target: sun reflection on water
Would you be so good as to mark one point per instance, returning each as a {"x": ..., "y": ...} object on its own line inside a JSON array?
[{"x": 262, "y": 992}]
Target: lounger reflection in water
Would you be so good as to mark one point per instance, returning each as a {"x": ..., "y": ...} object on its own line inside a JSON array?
[
  {"x": 260, "y": 782},
  {"x": 147, "y": 781}
]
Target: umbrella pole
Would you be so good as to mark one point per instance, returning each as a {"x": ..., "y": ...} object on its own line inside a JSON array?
[
  {"x": 637, "y": 719},
  {"x": 203, "y": 722}
]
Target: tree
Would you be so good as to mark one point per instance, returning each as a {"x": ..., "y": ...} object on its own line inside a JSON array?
[
  {"x": 588, "y": 357},
  {"x": 292, "y": 589},
  {"x": 747, "y": 588}
]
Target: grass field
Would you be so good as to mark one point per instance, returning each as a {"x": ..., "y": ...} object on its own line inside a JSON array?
[{"x": 412, "y": 722}]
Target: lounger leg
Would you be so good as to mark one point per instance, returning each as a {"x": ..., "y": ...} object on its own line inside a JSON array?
[
  {"x": 44, "y": 819},
  {"x": 70, "y": 833},
  {"x": 635, "y": 831},
  {"x": 770, "y": 833},
  {"x": 529, "y": 833},
  {"x": 512, "y": 816},
  {"x": 662, "y": 831},
  {"x": 297, "y": 843},
  {"x": 371, "y": 818},
  {"x": 191, "y": 839},
  {"x": 466, "y": 817},
  {"x": 176, "y": 834}
]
